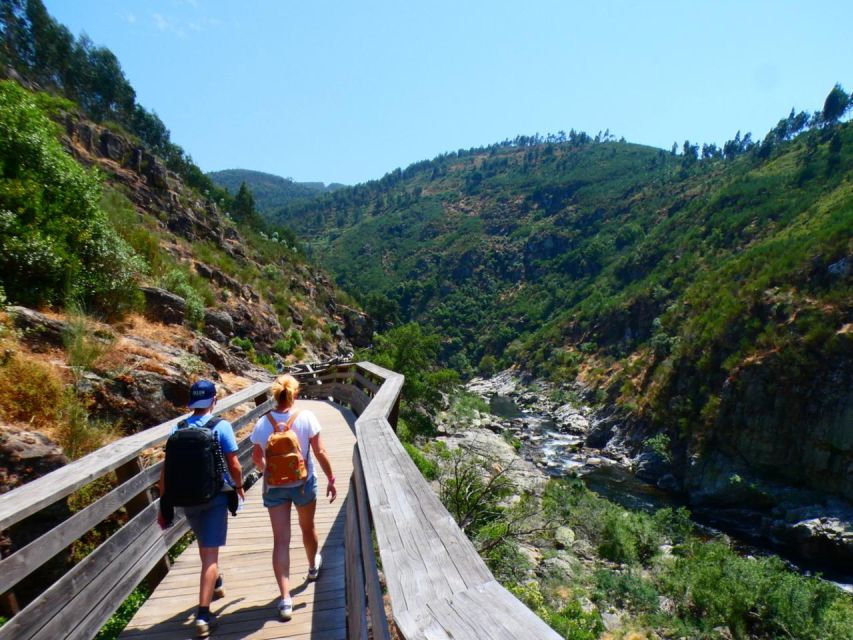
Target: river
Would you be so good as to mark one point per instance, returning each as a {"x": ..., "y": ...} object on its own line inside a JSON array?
[{"x": 561, "y": 454}]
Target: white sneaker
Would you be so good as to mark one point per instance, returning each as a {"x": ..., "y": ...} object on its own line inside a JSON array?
[
  {"x": 285, "y": 609},
  {"x": 314, "y": 572}
]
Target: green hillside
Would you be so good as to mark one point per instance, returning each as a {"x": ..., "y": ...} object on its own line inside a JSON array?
[
  {"x": 270, "y": 192},
  {"x": 661, "y": 279}
]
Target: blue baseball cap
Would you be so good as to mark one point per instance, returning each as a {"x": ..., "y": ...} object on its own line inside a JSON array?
[{"x": 202, "y": 394}]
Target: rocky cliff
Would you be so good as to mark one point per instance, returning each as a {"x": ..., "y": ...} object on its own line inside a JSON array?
[{"x": 261, "y": 309}]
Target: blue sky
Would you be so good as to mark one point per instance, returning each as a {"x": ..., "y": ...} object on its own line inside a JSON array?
[{"x": 347, "y": 91}]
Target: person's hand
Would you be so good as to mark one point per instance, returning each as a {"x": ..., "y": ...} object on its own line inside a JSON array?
[
  {"x": 331, "y": 490},
  {"x": 241, "y": 493}
]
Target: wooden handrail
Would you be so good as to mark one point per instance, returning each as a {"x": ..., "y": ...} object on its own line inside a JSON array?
[
  {"x": 79, "y": 602},
  {"x": 439, "y": 587},
  {"x": 34, "y": 496}
]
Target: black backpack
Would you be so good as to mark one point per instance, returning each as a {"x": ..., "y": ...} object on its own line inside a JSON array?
[{"x": 194, "y": 465}]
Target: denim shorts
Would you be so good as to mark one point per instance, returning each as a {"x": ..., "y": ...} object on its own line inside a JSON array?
[
  {"x": 300, "y": 496},
  {"x": 209, "y": 521}
]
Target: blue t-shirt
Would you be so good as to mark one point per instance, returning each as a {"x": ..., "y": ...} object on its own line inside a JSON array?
[{"x": 225, "y": 433}]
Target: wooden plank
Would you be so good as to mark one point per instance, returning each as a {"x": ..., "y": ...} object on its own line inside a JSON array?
[
  {"x": 373, "y": 589},
  {"x": 356, "y": 603},
  {"x": 109, "y": 554},
  {"x": 364, "y": 383},
  {"x": 325, "y": 390},
  {"x": 96, "y": 601},
  {"x": 387, "y": 396},
  {"x": 434, "y": 517},
  {"x": 248, "y": 610},
  {"x": 27, "y": 499},
  {"x": 359, "y": 401},
  {"x": 29, "y": 558}
]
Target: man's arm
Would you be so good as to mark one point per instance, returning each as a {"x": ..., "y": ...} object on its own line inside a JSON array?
[{"x": 236, "y": 472}]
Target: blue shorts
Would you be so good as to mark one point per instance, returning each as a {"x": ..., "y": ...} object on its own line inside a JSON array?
[
  {"x": 300, "y": 496},
  {"x": 209, "y": 521}
]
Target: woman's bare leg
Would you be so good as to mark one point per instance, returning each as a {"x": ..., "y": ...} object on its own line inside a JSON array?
[
  {"x": 309, "y": 531},
  {"x": 280, "y": 520}
]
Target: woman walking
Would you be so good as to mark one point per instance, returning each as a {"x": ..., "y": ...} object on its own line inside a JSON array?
[{"x": 278, "y": 496}]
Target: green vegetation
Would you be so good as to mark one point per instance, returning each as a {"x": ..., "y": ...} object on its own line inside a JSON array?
[
  {"x": 708, "y": 590},
  {"x": 410, "y": 350},
  {"x": 44, "y": 51},
  {"x": 33, "y": 393},
  {"x": 83, "y": 344},
  {"x": 56, "y": 244},
  {"x": 269, "y": 191},
  {"x": 654, "y": 277},
  {"x": 178, "y": 282}
]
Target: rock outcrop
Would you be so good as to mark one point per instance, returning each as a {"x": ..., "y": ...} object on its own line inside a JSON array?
[
  {"x": 164, "y": 306},
  {"x": 25, "y": 456},
  {"x": 37, "y": 330}
]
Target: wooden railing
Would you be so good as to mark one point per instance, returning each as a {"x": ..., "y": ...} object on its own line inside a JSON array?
[
  {"x": 439, "y": 587},
  {"x": 83, "y": 599},
  {"x": 437, "y": 583}
]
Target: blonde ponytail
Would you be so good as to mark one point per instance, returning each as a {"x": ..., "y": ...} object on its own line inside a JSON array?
[{"x": 284, "y": 390}]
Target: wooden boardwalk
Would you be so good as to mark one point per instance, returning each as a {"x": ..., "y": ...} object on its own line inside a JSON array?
[{"x": 249, "y": 608}]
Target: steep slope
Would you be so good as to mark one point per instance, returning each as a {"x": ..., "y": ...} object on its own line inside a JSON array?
[
  {"x": 124, "y": 284},
  {"x": 710, "y": 299},
  {"x": 271, "y": 192}
]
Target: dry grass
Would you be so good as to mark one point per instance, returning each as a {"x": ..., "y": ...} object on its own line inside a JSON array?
[
  {"x": 31, "y": 393},
  {"x": 168, "y": 334}
]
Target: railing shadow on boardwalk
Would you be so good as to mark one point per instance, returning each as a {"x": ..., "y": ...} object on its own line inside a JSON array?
[{"x": 437, "y": 585}]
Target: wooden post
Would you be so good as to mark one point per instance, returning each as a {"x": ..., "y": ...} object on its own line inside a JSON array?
[
  {"x": 136, "y": 505},
  {"x": 394, "y": 415},
  {"x": 9, "y": 604}
]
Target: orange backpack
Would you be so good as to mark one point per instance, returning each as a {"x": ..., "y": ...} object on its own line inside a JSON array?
[{"x": 285, "y": 464}]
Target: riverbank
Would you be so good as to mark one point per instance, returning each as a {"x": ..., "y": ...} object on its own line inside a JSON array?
[{"x": 562, "y": 435}]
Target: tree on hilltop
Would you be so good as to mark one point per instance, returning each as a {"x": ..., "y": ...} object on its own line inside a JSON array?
[
  {"x": 836, "y": 105},
  {"x": 243, "y": 210}
]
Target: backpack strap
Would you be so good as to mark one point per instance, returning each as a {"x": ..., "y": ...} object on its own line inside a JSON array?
[
  {"x": 292, "y": 419},
  {"x": 287, "y": 425}
]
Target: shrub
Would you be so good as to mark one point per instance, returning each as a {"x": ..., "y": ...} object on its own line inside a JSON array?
[
  {"x": 573, "y": 623},
  {"x": 625, "y": 590},
  {"x": 713, "y": 586},
  {"x": 285, "y": 346},
  {"x": 30, "y": 392},
  {"x": 55, "y": 242},
  {"x": 81, "y": 344},
  {"x": 178, "y": 283},
  {"x": 133, "y": 229},
  {"x": 629, "y": 537},
  {"x": 427, "y": 467},
  {"x": 78, "y": 435},
  {"x": 660, "y": 444}
]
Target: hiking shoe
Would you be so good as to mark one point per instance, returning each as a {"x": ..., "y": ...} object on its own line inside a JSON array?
[
  {"x": 285, "y": 609},
  {"x": 218, "y": 589},
  {"x": 204, "y": 624},
  {"x": 314, "y": 572}
]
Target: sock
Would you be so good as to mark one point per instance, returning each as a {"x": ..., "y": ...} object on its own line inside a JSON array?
[{"x": 203, "y": 613}]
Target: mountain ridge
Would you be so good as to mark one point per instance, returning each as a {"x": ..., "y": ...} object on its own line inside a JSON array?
[
  {"x": 664, "y": 281},
  {"x": 270, "y": 191}
]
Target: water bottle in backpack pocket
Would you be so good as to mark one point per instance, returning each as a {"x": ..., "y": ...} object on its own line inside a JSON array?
[
  {"x": 285, "y": 462},
  {"x": 194, "y": 468}
]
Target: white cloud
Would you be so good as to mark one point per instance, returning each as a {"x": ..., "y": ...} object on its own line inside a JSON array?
[
  {"x": 168, "y": 25},
  {"x": 181, "y": 28}
]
